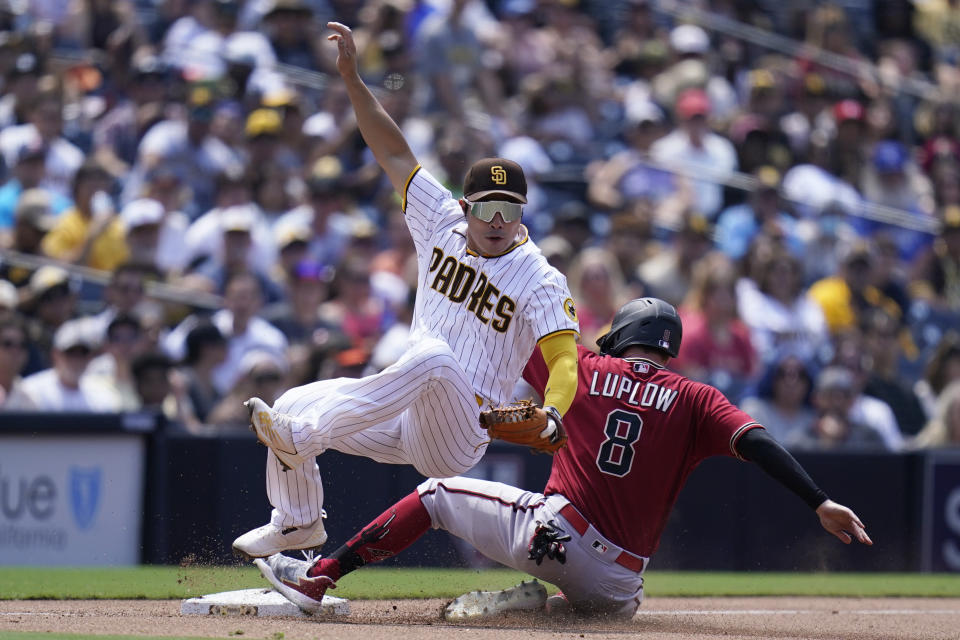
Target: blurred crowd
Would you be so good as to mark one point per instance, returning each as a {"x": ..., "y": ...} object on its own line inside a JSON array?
[{"x": 189, "y": 217}]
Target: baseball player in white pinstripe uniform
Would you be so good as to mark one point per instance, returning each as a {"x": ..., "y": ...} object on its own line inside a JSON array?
[{"x": 486, "y": 298}]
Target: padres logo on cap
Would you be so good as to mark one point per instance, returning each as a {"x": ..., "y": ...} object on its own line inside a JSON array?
[
  {"x": 569, "y": 309},
  {"x": 498, "y": 174}
]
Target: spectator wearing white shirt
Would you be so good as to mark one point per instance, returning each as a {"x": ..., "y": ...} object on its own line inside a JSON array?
[
  {"x": 204, "y": 237},
  {"x": 696, "y": 150},
  {"x": 63, "y": 387},
  {"x": 189, "y": 146},
  {"x": 191, "y": 22},
  {"x": 154, "y": 238},
  {"x": 199, "y": 42},
  {"x": 836, "y": 427},
  {"x": 773, "y": 304},
  {"x": 122, "y": 296},
  {"x": 239, "y": 323},
  {"x": 44, "y": 129},
  {"x": 323, "y": 212},
  {"x": 165, "y": 184},
  {"x": 781, "y": 401},
  {"x": 237, "y": 229},
  {"x": 50, "y": 301},
  {"x": 124, "y": 340},
  {"x": 813, "y": 188},
  {"x": 852, "y": 355},
  {"x": 13, "y": 357}
]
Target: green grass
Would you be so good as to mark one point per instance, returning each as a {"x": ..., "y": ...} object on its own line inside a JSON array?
[
  {"x": 674, "y": 583},
  {"x": 176, "y": 582}
]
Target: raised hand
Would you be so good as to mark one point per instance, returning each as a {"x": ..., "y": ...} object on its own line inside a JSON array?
[
  {"x": 346, "y": 48},
  {"x": 842, "y": 522}
]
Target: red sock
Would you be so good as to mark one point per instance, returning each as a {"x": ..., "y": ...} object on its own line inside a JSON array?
[{"x": 390, "y": 533}]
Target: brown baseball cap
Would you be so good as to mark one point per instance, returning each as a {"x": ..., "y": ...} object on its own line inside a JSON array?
[{"x": 495, "y": 176}]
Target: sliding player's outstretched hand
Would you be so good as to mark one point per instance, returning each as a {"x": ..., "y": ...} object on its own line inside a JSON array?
[
  {"x": 842, "y": 522},
  {"x": 346, "y": 48}
]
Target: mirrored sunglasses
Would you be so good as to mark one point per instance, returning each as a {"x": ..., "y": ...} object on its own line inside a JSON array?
[{"x": 485, "y": 211}]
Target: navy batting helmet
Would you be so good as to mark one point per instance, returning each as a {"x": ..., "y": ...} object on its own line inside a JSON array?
[{"x": 650, "y": 322}]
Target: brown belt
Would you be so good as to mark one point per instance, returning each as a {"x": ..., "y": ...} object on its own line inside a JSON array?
[{"x": 580, "y": 524}]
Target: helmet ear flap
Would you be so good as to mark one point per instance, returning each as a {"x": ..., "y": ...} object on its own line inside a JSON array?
[
  {"x": 602, "y": 342},
  {"x": 608, "y": 341}
]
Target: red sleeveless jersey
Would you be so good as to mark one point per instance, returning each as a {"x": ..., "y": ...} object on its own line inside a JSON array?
[{"x": 636, "y": 431}]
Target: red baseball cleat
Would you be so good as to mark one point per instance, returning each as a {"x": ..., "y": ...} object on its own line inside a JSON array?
[{"x": 289, "y": 577}]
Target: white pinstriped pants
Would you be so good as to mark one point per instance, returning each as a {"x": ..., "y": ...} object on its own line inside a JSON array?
[{"x": 422, "y": 411}]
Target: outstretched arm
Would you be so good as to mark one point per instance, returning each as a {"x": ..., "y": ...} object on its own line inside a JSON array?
[
  {"x": 842, "y": 522},
  {"x": 759, "y": 447},
  {"x": 380, "y": 132}
]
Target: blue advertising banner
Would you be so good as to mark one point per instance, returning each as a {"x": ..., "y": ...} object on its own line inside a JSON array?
[
  {"x": 941, "y": 518},
  {"x": 71, "y": 500}
]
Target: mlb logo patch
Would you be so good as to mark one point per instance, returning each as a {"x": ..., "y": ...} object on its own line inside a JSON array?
[
  {"x": 665, "y": 340},
  {"x": 599, "y": 547},
  {"x": 641, "y": 367}
]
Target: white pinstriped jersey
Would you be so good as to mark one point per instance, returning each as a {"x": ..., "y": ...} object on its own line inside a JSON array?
[{"x": 491, "y": 311}]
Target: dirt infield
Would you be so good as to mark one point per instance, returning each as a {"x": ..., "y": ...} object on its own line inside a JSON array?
[{"x": 659, "y": 618}]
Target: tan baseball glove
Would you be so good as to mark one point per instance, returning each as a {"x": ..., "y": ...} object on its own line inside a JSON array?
[{"x": 526, "y": 424}]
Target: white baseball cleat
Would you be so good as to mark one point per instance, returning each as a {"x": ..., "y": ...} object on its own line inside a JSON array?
[
  {"x": 486, "y": 604},
  {"x": 273, "y": 430},
  {"x": 270, "y": 539}
]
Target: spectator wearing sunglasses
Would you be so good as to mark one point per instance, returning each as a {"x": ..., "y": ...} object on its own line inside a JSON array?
[
  {"x": 262, "y": 374},
  {"x": 124, "y": 295},
  {"x": 63, "y": 387},
  {"x": 206, "y": 349},
  {"x": 113, "y": 368},
  {"x": 13, "y": 357},
  {"x": 47, "y": 301},
  {"x": 782, "y": 400}
]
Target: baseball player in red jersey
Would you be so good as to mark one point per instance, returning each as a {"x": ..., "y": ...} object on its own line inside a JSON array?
[{"x": 636, "y": 431}]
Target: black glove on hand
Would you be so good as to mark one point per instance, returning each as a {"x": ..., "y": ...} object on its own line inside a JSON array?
[{"x": 547, "y": 540}]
